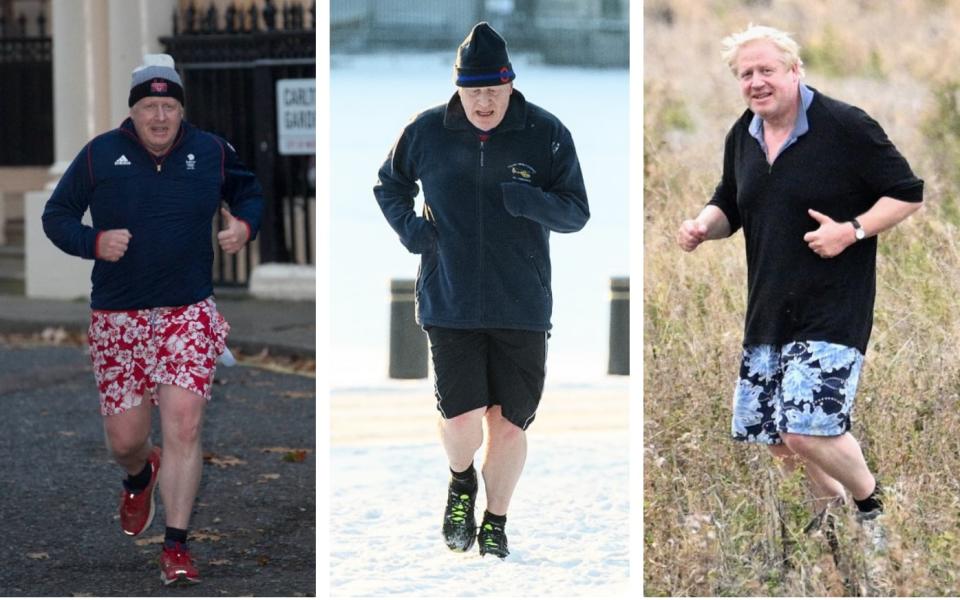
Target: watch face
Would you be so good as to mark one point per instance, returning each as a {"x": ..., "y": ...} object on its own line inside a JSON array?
[{"x": 861, "y": 234}]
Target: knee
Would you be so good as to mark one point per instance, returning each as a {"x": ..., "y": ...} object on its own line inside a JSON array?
[
  {"x": 798, "y": 444},
  {"x": 124, "y": 447},
  {"x": 500, "y": 428},
  {"x": 467, "y": 423},
  {"x": 184, "y": 428}
]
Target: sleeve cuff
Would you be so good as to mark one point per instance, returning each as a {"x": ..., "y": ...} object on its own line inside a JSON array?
[
  {"x": 249, "y": 229},
  {"x": 96, "y": 244},
  {"x": 512, "y": 198}
]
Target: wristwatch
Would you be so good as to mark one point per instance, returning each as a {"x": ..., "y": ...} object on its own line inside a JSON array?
[{"x": 858, "y": 230}]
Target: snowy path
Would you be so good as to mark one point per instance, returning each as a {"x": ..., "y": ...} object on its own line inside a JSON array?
[{"x": 569, "y": 520}]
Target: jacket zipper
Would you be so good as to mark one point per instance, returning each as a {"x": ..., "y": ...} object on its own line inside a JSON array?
[
  {"x": 483, "y": 311},
  {"x": 176, "y": 142}
]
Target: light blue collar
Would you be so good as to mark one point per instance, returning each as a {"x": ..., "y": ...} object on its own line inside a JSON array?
[{"x": 800, "y": 127}]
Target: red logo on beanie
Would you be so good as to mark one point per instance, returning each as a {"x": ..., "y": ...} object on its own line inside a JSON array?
[
  {"x": 158, "y": 87},
  {"x": 504, "y": 74}
]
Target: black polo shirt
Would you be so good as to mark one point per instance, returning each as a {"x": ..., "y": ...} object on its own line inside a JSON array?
[{"x": 840, "y": 167}]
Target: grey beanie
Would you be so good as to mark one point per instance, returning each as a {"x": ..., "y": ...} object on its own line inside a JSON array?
[{"x": 155, "y": 77}]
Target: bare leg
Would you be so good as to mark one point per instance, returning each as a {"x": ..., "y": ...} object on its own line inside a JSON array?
[
  {"x": 462, "y": 436},
  {"x": 505, "y": 456},
  {"x": 839, "y": 457},
  {"x": 128, "y": 436},
  {"x": 181, "y": 416},
  {"x": 825, "y": 489}
]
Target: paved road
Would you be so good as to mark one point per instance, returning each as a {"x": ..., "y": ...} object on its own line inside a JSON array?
[{"x": 254, "y": 522}]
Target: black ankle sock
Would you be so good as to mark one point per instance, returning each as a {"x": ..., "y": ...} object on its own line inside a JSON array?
[
  {"x": 871, "y": 502},
  {"x": 174, "y": 535},
  {"x": 464, "y": 481},
  {"x": 139, "y": 482},
  {"x": 489, "y": 517}
]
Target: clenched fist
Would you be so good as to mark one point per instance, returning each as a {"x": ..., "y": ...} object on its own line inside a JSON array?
[
  {"x": 691, "y": 234},
  {"x": 235, "y": 234},
  {"x": 830, "y": 238},
  {"x": 112, "y": 244}
]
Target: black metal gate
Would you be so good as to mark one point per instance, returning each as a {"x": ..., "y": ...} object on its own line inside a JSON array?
[
  {"x": 229, "y": 74},
  {"x": 26, "y": 93}
]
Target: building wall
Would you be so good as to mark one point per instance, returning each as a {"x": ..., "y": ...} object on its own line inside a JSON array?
[{"x": 581, "y": 32}]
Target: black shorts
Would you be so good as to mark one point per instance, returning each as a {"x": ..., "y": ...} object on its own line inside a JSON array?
[{"x": 477, "y": 368}]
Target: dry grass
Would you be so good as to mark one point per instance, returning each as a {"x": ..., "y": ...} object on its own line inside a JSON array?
[{"x": 718, "y": 517}]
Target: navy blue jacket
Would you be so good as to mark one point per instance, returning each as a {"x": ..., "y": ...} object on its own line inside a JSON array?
[
  {"x": 490, "y": 203},
  {"x": 167, "y": 203}
]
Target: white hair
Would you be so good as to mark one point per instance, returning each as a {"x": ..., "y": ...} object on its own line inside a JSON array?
[{"x": 789, "y": 49}]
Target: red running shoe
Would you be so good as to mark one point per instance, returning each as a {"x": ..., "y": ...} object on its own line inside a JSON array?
[
  {"x": 176, "y": 566},
  {"x": 136, "y": 510}
]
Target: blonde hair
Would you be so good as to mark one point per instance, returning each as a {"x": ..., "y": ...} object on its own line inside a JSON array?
[{"x": 789, "y": 49}]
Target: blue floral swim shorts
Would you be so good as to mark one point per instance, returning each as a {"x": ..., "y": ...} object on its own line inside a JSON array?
[{"x": 800, "y": 387}]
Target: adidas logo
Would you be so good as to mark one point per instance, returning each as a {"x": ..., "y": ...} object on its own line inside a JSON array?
[{"x": 122, "y": 160}]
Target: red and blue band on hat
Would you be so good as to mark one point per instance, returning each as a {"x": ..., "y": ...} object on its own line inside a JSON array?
[{"x": 485, "y": 78}]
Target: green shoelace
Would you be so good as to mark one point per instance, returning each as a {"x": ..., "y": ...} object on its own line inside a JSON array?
[
  {"x": 459, "y": 512},
  {"x": 492, "y": 536}
]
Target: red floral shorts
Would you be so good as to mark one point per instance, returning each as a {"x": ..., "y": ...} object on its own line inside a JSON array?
[{"x": 134, "y": 351}]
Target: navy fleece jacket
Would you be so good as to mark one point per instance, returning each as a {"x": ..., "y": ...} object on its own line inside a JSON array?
[
  {"x": 490, "y": 203},
  {"x": 167, "y": 203}
]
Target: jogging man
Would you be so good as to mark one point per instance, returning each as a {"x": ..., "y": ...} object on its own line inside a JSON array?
[
  {"x": 153, "y": 186},
  {"x": 812, "y": 181},
  {"x": 498, "y": 175}
]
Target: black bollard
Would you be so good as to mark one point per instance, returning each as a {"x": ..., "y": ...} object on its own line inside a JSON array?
[
  {"x": 619, "y": 363},
  {"x": 408, "y": 343}
]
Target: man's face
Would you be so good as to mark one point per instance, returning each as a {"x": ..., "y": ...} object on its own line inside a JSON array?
[
  {"x": 486, "y": 106},
  {"x": 157, "y": 121},
  {"x": 767, "y": 85}
]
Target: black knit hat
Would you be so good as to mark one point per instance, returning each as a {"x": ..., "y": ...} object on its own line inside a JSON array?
[{"x": 482, "y": 59}]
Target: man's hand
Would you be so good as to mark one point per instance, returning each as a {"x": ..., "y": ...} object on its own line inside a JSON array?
[
  {"x": 831, "y": 238},
  {"x": 691, "y": 234},
  {"x": 112, "y": 244},
  {"x": 234, "y": 236}
]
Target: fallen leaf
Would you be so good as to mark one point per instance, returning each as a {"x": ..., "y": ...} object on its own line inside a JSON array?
[
  {"x": 205, "y": 535},
  {"x": 222, "y": 461},
  {"x": 284, "y": 449},
  {"x": 269, "y": 476},
  {"x": 263, "y": 561},
  {"x": 295, "y": 394},
  {"x": 219, "y": 561},
  {"x": 297, "y": 456},
  {"x": 157, "y": 539},
  {"x": 67, "y": 433},
  {"x": 54, "y": 335},
  {"x": 38, "y": 555}
]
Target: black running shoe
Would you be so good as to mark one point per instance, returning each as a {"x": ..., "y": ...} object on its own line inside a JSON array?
[
  {"x": 459, "y": 524},
  {"x": 492, "y": 540}
]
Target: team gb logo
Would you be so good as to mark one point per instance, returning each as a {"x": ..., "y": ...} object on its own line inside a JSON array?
[{"x": 191, "y": 162}]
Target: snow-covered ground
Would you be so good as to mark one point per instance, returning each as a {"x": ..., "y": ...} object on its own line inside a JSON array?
[
  {"x": 371, "y": 98},
  {"x": 568, "y": 524}
]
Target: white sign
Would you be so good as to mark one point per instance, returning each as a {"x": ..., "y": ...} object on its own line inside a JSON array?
[{"x": 297, "y": 116}]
